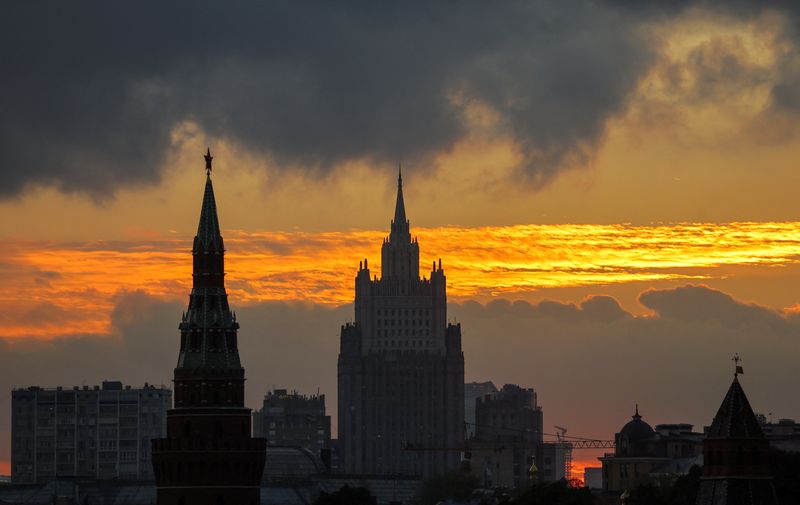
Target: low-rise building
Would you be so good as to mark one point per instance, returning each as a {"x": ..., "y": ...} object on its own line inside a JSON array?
[
  {"x": 102, "y": 432},
  {"x": 641, "y": 451},
  {"x": 783, "y": 435},
  {"x": 553, "y": 461},
  {"x": 593, "y": 477}
]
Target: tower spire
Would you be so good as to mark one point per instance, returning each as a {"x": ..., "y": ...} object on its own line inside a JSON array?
[
  {"x": 208, "y": 234},
  {"x": 209, "y": 317},
  {"x": 400, "y": 207}
]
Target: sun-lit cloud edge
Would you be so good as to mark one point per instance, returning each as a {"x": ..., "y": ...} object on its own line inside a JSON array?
[{"x": 69, "y": 288}]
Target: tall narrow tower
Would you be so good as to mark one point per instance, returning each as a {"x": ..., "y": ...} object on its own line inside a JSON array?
[
  {"x": 208, "y": 457},
  {"x": 401, "y": 369}
]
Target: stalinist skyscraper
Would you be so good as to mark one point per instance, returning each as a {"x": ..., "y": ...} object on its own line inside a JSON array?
[{"x": 401, "y": 369}]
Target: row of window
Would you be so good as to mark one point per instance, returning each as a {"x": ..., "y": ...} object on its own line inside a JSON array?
[
  {"x": 403, "y": 322},
  {"x": 405, "y": 332},
  {"x": 404, "y": 312},
  {"x": 404, "y": 343}
]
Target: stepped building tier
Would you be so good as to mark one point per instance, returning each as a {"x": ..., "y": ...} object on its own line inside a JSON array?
[
  {"x": 208, "y": 456},
  {"x": 401, "y": 369}
]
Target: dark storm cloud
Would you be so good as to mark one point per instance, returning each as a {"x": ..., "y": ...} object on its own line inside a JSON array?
[{"x": 90, "y": 91}]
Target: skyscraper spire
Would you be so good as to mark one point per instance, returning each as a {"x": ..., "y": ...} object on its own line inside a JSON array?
[
  {"x": 400, "y": 207},
  {"x": 399, "y": 253}
]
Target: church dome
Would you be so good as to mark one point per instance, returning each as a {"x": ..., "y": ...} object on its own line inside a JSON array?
[{"x": 636, "y": 430}]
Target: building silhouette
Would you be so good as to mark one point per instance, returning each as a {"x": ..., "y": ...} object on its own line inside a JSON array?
[
  {"x": 508, "y": 435},
  {"x": 88, "y": 432},
  {"x": 208, "y": 456},
  {"x": 473, "y": 391},
  {"x": 736, "y": 469},
  {"x": 401, "y": 369},
  {"x": 783, "y": 435},
  {"x": 641, "y": 452},
  {"x": 293, "y": 419}
]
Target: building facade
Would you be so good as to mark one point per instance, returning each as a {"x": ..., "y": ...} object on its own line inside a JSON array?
[
  {"x": 400, "y": 369},
  {"x": 508, "y": 438},
  {"x": 100, "y": 432},
  {"x": 208, "y": 456},
  {"x": 642, "y": 452},
  {"x": 783, "y": 435},
  {"x": 473, "y": 391},
  {"x": 295, "y": 420}
]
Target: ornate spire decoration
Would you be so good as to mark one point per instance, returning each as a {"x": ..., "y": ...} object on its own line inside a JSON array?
[
  {"x": 208, "y": 159},
  {"x": 738, "y": 370}
]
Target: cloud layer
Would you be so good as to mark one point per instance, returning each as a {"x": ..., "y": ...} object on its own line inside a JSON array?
[
  {"x": 92, "y": 92},
  {"x": 58, "y": 289},
  {"x": 589, "y": 362}
]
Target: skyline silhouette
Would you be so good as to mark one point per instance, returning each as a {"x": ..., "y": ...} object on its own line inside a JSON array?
[{"x": 610, "y": 186}]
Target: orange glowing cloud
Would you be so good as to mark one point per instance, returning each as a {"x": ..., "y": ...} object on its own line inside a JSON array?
[{"x": 62, "y": 289}]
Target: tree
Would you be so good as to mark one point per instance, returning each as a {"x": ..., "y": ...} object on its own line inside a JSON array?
[
  {"x": 786, "y": 469},
  {"x": 554, "y": 493},
  {"x": 457, "y": 486},
  {"x": 346, "y": 496},
  {"x": 681, "y": 491}
]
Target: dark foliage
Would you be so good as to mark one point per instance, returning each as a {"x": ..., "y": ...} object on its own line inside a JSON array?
[
  {"x": 786, "y": 469},
  {"x": 683, "y": 491},
  {"x": 556, "y": 493},
  {"x": 346, "y": 496},
  {"x": 457, "y": 486}
]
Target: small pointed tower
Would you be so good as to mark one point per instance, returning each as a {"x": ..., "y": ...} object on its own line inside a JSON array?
[
  {"x": 208, "y": 457},
  {"x": 736, "y": 468}
]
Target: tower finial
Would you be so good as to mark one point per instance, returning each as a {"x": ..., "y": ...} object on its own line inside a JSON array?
[
  {"x": 208, "y": 159},
  {"x": 736, "y": 360},
  {"x": 636, "y": 415},
  {"x": 400, "y": 221}
]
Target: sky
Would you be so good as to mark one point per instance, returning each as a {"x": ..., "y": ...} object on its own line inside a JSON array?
[{"x": 611, "y": 187}]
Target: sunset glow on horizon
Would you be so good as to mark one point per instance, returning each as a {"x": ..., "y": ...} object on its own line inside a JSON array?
[{"x": 63, "y": 289}]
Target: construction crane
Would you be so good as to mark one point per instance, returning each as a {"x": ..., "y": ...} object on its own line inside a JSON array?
[{"x": 567, "y": 443}]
